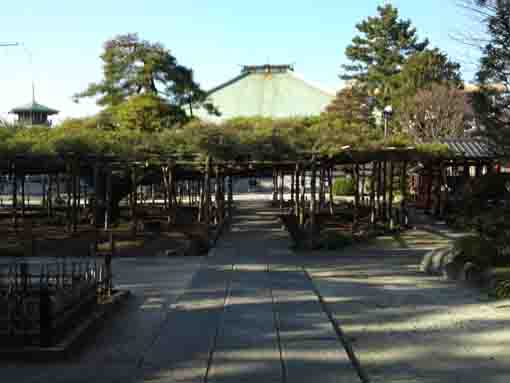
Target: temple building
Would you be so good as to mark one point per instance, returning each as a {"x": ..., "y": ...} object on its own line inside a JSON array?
[
  {"x": 34, "y": 113},
  {"x": 274, "y": 91}
]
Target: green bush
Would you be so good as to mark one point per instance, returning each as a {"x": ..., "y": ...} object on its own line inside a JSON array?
[
  {"x": 475, "y": 249},
  {"x": 344, "y": 186},
  {"x": 335, "y": 240},
  {"x": 501, "y": 289}
]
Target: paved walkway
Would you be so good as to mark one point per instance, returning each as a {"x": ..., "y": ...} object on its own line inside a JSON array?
[
  {"x": 257, "y": 312},
  {"x": 250, "y": 315}
]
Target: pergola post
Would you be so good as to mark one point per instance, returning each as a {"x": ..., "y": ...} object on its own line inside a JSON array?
[
  {"x": 49, "y": 196},
  {"x": 217, "y": 196},
  {"x": 355, "y": 221},
  {"x": 378, "y": 189},
  {"x": 44, "y": 191},
  {"x": 383, "y": 193},
  {"x": 322, "y": 194},
  {"x": 373, "y": 214},
  {"x": 68, "y": 181},
  {"x": 297, "y": 209},
  {"x": 303, "y": 191},
  {"x": 74, "y": 210},
  {"x": 133, "y": 201},
  {"x": 282, "y": 185},
  {"x": 362, "y": 183},
  {"x": 275, "y": 184},
  {"x": 292, "y": 180},
  {"x": 207, "y": 191},
  {"x": 330, "y": 186},
  {"x": 313, "y": 204},
  {"x": 403, "y": 191},
  {"x": 14, "y": 202},
  {"x": 108, "y": 199},
  {"x": 230, "y": 194},
  {"x": 201, "y": 198},
  {"x": 96, "y": 195},
  {"x": 23, "y": 193},
  {"x": 390, "y": 196},
  {"x": 429, "y": 187}
]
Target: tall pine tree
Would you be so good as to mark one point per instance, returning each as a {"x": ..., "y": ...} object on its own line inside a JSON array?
[
  {"x": 379, "y": 51},
  {"x": 492, "y": 103}
]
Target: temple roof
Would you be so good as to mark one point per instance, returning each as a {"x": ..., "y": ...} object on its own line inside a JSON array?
[
  {"x": 34, "y": 107},
  {"x": 274, "y": 91}
]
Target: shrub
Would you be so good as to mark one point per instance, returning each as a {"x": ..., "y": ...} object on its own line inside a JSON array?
[
  {"x": 344, "y": 186},
  {"x": 475, "y": 249},
  {"x": 336, "y": 240},
  {"x": 501, "y": 289}
]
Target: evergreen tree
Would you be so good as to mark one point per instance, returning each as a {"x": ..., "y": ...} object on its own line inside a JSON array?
[
  {"x": 133, "y": 67},
  {"x": 492, "y": 103},
  {"x": 378, "y": 53},
  {"x": 350, "y": 104}
]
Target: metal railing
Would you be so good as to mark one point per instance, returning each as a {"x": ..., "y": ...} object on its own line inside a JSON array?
[{"x": 39, "y": 303}]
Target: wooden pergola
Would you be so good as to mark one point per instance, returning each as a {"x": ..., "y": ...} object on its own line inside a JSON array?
[{"x": 378, "y": 175}]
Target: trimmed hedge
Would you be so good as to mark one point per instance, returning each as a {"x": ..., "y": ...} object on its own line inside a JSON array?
[{"x": 344, "y": 186}]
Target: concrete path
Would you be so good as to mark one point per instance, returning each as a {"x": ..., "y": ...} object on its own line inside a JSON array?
[{"x": 252, "y": 316}]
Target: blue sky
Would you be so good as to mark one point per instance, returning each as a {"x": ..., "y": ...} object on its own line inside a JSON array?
[{"x": 65, "y": 39}]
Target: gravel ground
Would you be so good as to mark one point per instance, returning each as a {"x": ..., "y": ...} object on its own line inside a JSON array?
[{"x": 407, "y": 327}]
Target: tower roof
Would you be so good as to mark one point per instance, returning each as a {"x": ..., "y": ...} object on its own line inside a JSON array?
[{"x": 34, "y": 107}]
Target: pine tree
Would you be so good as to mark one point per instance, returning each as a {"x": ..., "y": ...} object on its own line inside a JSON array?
[
  {"x": 350, "y": 104},
  {"x": 492, "y": 103},
  {"x": 133, "y": 67},
  {"x": 378, "y": 53}
]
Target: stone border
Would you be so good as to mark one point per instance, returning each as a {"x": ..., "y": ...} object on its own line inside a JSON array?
[
  {"x": 75, "y": 339},
  {"x": 355, "y": 362}
]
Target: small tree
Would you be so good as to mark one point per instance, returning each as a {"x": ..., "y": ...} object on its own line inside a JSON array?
[
  {"x": 434, "y": 113},
  {"x": 350, "y": 104}
]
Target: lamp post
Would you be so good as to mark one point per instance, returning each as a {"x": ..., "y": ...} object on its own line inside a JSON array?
[{"x": 387, "y": 114}]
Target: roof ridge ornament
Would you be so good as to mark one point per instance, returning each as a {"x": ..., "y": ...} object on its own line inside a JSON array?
[{"x": 267, "y": 68}]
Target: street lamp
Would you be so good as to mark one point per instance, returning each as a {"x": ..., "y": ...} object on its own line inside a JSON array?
[{"x": 387, "y": 114}]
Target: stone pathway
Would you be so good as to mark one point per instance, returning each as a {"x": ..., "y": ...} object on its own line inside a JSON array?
[{"x": 261, "y": 323}]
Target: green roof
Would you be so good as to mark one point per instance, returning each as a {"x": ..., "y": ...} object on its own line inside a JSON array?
[
  {"x": 34, "y": 107},
  {"x": 270, "y": 91}
]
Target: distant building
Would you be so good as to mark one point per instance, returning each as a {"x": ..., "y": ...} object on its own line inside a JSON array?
[
  {"x": 34, "y": 114},
  {"x": 269, "y": 91}
]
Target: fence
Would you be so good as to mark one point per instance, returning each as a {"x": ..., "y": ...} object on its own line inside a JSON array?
[{"x": 38, "y": 307}]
